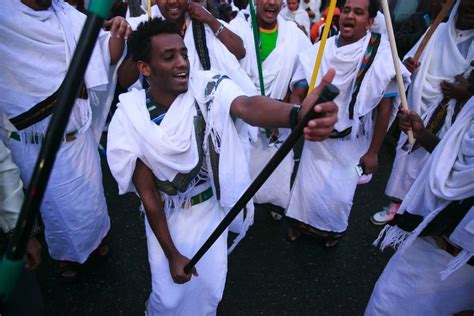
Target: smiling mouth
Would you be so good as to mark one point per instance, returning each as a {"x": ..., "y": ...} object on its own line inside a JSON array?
[{"x": 181, "y": 76}]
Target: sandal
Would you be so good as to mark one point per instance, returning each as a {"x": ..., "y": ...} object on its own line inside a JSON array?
[
  {"x": 69, "y": 271},
  {"x": 332, "y": 239},
  {"x": 293, "y": 234}
]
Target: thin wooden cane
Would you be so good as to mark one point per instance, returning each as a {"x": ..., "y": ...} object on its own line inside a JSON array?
[
  {"x": 319, "y": 57},
  {"x": 439, "y": 18},
  {"x": 148, "y": 9},
  {"x": 396, "y": 63}
]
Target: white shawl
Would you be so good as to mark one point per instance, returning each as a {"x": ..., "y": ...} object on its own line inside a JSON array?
[
  {"x": 440, "y": 61},
  {"x": 36, "y": 49},
  {"x": 447, "y": 176},
  {"x": 347, "y": 60}
]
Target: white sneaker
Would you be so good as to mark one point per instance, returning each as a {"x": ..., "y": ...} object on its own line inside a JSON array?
[
  {"x": 382, "y": 217},
  {"x": 276, "y": 216}
]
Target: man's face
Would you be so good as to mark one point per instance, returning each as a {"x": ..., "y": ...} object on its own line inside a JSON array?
[
  {"x": 292, "y": 5},
  {"x": 267, "y": 12},
  {"x": 354, "y": 21},
  {"x": 173, "y": 10},
  {"x": 168, "y": 68},
  {"x": 465, "y": 18}
]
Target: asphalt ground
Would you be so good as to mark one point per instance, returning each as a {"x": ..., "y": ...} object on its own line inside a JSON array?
[{"x": 267, "y": 274}]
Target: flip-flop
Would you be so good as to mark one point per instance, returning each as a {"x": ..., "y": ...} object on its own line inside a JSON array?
[{"x": 293, "y": 234}]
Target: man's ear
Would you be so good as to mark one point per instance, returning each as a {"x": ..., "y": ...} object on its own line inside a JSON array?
[
  {"x": 371, "y": 22},
  {"x": 144, "y": 68}
]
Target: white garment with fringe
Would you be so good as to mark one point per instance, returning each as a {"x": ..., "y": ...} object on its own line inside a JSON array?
[
  {"x": 73, "y": 208},
  {"x": 290, "y": 41},
  {"x": 440, "y": 61},
  {"x": 326, "y": 181},
  {"x": 408, "y": 164},
  {"x": 171, "y": 148},
  {"x": 189, "y": 228},
  {"x": 410, "y": 284},
  {"x": 447, "y": 176}
]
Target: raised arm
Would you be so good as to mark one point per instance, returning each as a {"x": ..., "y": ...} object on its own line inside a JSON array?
[
  {"x": 265, "y": 112},
  {"x": 144, "y": 182},
  {"x": 119, "y": 32},
  {"x": 231, "y": 40}
]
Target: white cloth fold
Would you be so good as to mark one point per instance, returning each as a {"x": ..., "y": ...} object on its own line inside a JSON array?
[{"x": 440, "y": 61}]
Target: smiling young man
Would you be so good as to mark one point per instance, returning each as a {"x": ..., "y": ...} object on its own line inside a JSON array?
[
  {"x": 177, "y": 147},
  {"x": 364, "y": 74}
]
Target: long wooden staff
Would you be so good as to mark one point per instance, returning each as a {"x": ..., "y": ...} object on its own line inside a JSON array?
[
  {"x": 328, "y": 94},
  {"x": 322, "y": 44},
  {"x": 256, "y": 41},
  {"x": 396, "y": 63},
  {"x": 148, "y": 9},
  {"x": 439, "y": 18},
  {"x": 11, "y": 265}
]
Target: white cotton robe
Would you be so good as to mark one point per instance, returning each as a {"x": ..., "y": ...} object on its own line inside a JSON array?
[
  {"x": 326, "y": 181},
  {"x": 73, "y": 210}
]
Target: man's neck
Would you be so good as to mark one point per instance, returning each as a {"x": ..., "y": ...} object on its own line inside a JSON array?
[
  {"x": 33, "y": 4},
  {"x": 347, "y": 41},
  {"x": 266, "y": 26},
  {"x": 164, "y": 99}
]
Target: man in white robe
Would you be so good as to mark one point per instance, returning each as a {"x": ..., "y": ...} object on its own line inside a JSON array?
[
  {"x": 432, "y": 272},
  {"x": 444, "y": 60},
  {"x": 366, "y": 103},
  {"x": 278, "y": 66},
  {"x": 177, "y": 147},
  {"x": 37, "y": 41}
]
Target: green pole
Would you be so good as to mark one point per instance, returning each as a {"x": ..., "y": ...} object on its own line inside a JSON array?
[{"x": 256, "y": 41}]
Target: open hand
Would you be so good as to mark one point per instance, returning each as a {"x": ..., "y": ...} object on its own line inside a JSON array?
[
  {"x": 177, "y": 264},
  {"x": 319, "y": 128}
]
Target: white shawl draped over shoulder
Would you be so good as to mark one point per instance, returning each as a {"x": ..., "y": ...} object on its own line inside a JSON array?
[
  {"x": 447, "y": 176},
  {"x": 373, "y": 86},
  {"x": 440, "y": 61},
  {"x": 35, "y": 60}
]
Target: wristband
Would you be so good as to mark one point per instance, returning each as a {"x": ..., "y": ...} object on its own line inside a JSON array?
[
  {"x": 219, "y": 30},
  {"x": 293, "y": 116}
]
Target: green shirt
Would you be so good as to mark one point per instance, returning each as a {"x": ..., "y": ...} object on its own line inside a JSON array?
[{"x": 268, "y": 40}]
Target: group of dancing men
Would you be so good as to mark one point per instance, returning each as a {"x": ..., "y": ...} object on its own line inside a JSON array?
[{"x": 200, "y": 120}]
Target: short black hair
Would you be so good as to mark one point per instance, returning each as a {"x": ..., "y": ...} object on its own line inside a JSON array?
[
  {"x": 373, "y": 7},
  {"x": 139, "y": 43}
]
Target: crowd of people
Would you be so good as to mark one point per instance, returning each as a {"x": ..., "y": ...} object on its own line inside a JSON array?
[{"x": 193, "y": 103}]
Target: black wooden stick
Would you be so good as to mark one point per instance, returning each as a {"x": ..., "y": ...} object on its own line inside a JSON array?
[{"x": 328, "y": 94}]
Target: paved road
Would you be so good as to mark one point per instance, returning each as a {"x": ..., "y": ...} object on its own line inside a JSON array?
[{"x": 267, "y": 275}]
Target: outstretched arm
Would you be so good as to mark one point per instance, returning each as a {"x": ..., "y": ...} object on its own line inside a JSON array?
[
  {"x": 231, "y": 40},
  {"x": 265, "y": 112},
  {"x": 144, "y": 182}
]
